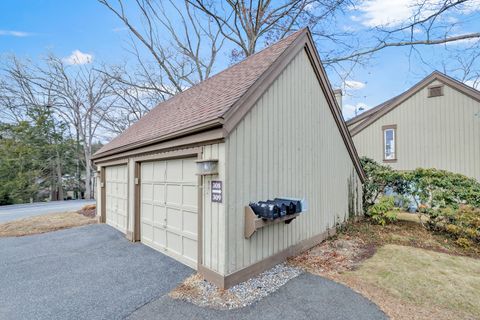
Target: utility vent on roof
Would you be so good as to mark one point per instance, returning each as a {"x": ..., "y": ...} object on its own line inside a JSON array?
[{"x": 435, "y": 91}]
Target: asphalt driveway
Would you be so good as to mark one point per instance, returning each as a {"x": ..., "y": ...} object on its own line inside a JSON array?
[
  {"x": 93, "y": 272},
  {"x": 89, "y": 272},
  {"x": 307, "y": 297}
]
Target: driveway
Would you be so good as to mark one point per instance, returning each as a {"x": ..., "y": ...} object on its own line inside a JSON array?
[
  {"x": 305, "y": 297},
  {"x": 93, "y": 272},
  {"x": 89, "y": 272},
  {"x": 19, "y": 211}
]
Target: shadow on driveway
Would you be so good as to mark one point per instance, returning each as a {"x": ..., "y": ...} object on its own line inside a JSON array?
[{"x": 89, "y": 272}]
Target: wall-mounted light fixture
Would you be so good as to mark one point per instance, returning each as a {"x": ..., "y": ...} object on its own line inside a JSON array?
[{"x": 207, "y": 167}]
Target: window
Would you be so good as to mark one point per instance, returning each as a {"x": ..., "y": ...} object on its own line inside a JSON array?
[
  {"x": 389, "y": 141},
  {"x": 435, "y": 91}
]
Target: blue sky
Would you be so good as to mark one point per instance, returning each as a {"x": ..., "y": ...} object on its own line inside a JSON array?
[{"x": 32, "y": 28}]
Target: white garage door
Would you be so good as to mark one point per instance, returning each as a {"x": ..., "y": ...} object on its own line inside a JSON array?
[
  {"x": 169, "y": 208},
  {"x": 116, "y": 197}
]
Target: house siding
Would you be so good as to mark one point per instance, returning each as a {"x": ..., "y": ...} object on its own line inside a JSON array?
[
  {"x": 440, "y": 132},
  {"x": 287, "y": 145},
  {"x": 213, "y": 246}
]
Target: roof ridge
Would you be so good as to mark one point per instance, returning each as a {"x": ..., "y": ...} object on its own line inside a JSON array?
[
  {"x": 393, "y": 102},
  {"x": 234, "y": 65}
]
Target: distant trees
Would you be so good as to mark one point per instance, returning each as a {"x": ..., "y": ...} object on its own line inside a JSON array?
[
  {"x": 78, "y": 99},
  {"x": 35, "y": 155}
]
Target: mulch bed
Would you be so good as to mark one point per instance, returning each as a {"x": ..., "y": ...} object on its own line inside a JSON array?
[{"x": 89, "y": 211}]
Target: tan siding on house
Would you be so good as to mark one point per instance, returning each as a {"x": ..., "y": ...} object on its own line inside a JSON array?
[
  {"x": 440, "y": 132},
  {"x": 213, "y": 248},
  {"x": 287, "y": 145}
]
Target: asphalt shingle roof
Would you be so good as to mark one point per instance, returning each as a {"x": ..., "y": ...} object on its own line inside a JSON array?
[{"x": 202, "y": 103}]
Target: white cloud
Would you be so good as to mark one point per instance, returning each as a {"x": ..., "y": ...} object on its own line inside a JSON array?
[
  {"x": 78, "y": 57},
  {"x": 349, "y": 110},
  {"x": 354, "y": 85},
  {"x": 374, "y": 13},
  {"x": 119, "y": 29},
  {"x": 14, "y": 33},
  {"x": 473, "y": 83}
]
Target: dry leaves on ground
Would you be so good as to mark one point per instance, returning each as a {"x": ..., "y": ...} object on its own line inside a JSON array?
[
  {"x": 340, "y": 257},
  {"x": 44, "y": 223}
]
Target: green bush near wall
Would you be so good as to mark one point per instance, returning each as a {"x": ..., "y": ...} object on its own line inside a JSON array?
[{"x": 450, "y": 200}]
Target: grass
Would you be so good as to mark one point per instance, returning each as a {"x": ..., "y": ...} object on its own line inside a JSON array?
[
  {"x": 44, "y": 223},
  {"x": 409, "y": 272},
  {"x": 425, "y": 279}
]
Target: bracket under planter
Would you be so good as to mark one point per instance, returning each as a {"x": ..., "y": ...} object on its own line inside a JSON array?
[{"x": 253, "y": 222}]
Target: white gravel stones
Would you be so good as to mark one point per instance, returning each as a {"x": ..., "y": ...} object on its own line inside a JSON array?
[{"x": 204, "y": 294}]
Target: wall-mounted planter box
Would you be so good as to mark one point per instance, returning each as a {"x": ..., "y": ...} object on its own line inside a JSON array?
[{"x": 253, "y": 222}]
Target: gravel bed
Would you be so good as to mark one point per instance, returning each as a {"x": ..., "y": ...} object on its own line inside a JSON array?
[{"x": 204, "y": 294}]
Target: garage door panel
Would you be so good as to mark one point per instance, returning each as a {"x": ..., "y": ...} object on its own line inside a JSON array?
[
  {"x": 190, "y": 195},
  {"x": 174, "y": 170},
  {"x": 147, "y": 192},
  {"x": 147, "y": 212},
  {"x": 147, "y": 171},
  {"x": 160, "y": 237},
  {"x": 174, "y": 242},
  {"x": 159, "y": 215},
  {"x": 147, "y": 233},
  {"x": 173, "y": 195},
  {"x": 159, "y": 193},
  {"x": 174, "y": 219},
  {"x": 158, "y": 174},
  {"x": 190, "y": 222},
  {"x": 189, "y": 171},
  {"x": 190, "y": 249}
]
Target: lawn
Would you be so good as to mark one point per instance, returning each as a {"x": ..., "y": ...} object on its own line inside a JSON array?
[
  {"x": 44, "y": 223},
  {"x": 407, "y": 271}
]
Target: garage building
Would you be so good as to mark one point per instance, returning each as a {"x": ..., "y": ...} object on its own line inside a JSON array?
[{"x": 181, "y": 178}]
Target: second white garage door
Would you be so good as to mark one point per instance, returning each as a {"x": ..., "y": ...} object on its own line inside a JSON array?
[{"x": 168, "y": 212}]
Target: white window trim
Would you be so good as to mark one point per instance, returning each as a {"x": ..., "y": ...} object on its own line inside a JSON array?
[{"x": 394, "y": 143}]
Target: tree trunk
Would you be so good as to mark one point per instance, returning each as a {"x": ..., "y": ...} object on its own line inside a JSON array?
[
  {"x": 88, "y": 175},
  {"x": 59, "y": 177}
]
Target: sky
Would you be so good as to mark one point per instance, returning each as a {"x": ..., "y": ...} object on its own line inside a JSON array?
[{"x": 84, "y": 31}]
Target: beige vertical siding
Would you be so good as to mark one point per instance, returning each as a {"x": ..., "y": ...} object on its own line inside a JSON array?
[
  {"x": 213, "y": 249},
  {"x": 287, "y": 145},
  {"x": 440, "y": 132}
]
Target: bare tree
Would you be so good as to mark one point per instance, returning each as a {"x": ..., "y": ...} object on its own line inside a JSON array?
[
  {"x": 79, "y": 94},
  {"x": 21, "y": 99},
  {"x": 83, "y": 98},
  {"x": 427, "y": 26},
  {"x": 132, "y": 101},
  {"x": 183, "y": 45},
  {"x": 245, "y": 23}
]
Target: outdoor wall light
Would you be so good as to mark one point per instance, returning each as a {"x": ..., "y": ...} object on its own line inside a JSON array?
[{"x": 207, "y": 167}]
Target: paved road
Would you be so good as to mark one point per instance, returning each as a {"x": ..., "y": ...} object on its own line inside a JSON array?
[
  {"x": 90, "y": 272},
  {"x": 93, "y": 272},
  {"x": 19, "y": 211}
]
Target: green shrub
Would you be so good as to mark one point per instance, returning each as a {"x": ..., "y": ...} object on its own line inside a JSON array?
[
  {"x": 383, "y": 211},
  {"x": 379, "y": 179},
  {"x": 460, "y": 223},
  {"x": 430, "y": 188}
]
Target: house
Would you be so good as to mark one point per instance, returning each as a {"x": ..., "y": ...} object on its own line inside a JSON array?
[
  {"x": 434, "y": 124},
  {"x": 180, "y": 180}
]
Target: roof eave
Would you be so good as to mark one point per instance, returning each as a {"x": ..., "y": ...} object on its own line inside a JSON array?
[{"x": 216, "y": 123}]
